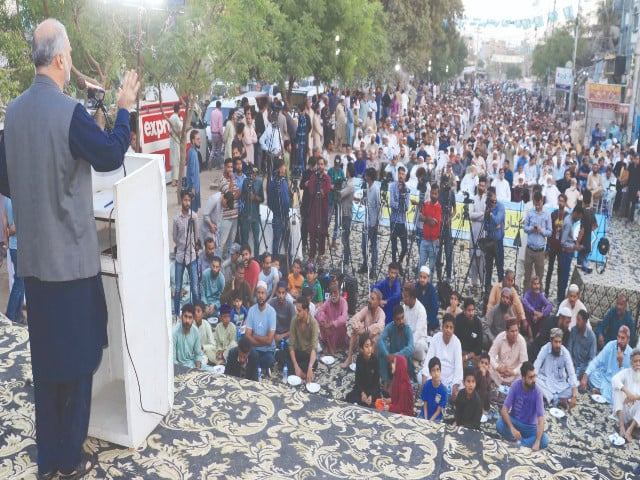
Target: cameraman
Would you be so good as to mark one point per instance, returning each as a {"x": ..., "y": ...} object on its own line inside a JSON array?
[
  {"x": 431, "y": 216},
  {"x": 252, "y": 196},
  {"x": 319, "y": 189},
  {"x": 372, "y": 219},
  {"x": 346, "y": 199},
  {"x": 478, "y": 208},
  {"x": 494, "y": 216},
  {"x": 337, "y": 181},
  {"x": 278, "y": 200},
  {"x": 447, "y": 200},
  {"x": 399, "y": 203},
  {"x": 229, "y": 224}
]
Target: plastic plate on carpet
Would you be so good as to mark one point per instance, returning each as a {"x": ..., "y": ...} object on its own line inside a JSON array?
[
  {"x": 213, "y": 320},
  {"x": 556, "y": 412},
  {"x": 328, "y": 360},
  {"x": 503, "y": 389},
  {"x": 616, "y": 439},
  {"x": 294, "y": 380},
  {"x": 218, "y": 369},
  {"x": 353, "y": 367},
  {"x": 484, "y": 418},
  {"x": 313, "y": 387},
  {"x": 598, "y": 398}
]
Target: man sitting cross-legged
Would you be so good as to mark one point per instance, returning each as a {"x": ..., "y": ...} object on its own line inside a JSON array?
[{"x": 626, "y": 396}]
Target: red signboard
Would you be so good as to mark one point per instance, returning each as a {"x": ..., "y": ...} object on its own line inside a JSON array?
[
  {"x": 154, "y": 128},
  {"x": 604, "y": 93}
]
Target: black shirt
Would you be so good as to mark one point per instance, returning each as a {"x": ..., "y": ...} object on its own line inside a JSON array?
[
  {"x": 236, "y": 369},
  {"x": 468, "y": 410},
  {"x": 469, "y": 333}
]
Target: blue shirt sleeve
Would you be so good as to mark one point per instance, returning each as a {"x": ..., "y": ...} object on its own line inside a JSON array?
[
  {"x": 103, "y": 150},
  {"x": 4, "y": 175}
]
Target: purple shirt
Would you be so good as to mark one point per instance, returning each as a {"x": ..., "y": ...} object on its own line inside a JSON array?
[
  {"x": 532, "y": 302},
  {"x": 524, "y": 406}
]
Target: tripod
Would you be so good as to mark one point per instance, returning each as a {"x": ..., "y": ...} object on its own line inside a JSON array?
[
  {"x": 474, "y": 258},
  {"x": 401, "y": 213},
  {"x": 416, "y": 219}
]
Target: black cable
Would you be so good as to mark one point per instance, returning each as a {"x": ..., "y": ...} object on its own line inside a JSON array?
[{"x": 124, "y": 327}]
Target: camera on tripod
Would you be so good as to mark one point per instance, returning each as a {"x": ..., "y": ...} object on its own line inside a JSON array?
[
  {"x": 384, "y": 184},
  {"x": 296, "y": 173},
  {"x": 339, "y": 183},
  {"x": 467, "y": 200},
  {"x": 423, "y": 183}
]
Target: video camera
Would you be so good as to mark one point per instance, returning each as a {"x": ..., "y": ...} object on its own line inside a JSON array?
[
  {"x": 296, "y": 173},
  {"x": 339, "y": 183},
  {"x": 467, "y": 200},
  {"x": 384, "y": 184}
]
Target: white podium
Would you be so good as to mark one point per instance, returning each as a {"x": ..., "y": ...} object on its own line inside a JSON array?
[{"x": 131, "y": 219}]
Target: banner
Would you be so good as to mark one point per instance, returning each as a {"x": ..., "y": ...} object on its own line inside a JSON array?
[
  {"x": 604, "y": 93},
  {"x": 460, "y": 230},
  {"x": 564, "y": 77}
]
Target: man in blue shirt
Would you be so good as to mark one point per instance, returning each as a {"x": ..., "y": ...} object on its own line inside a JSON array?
[
  {"x": 278, "y": 196},
  {"x": 494, "y": 232},
  {"x": 613, "y": 320},
  {"x": 261, "y": 328},
  {"x": 537, "y": 225},
  {"x": 428, "y": 296},
  {"x": 396, "y": 339},
  {"x": 391, "y": 291},
  {"x": 193, "y": 170},
  {"x": 399, "y": 203}
]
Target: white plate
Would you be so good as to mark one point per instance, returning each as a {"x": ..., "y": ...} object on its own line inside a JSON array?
[
  {"x": 484, "y": 418},
  {"x": 353, "y": 367},
  {"x": 556, "y": 412},
  {"x": 294, "y": 380},
  {"x": 213, "y": 320},
  {"x": 327, "y": 360},
  {"x": 503, "y": 389},
  {"x": 616, "y": 439},
  {"x": 313, "y": 387},
  {"x": 598, "y": 398},
  {"x": 218, "y": 369}
]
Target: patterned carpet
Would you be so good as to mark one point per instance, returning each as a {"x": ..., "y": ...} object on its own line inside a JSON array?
[{"x": 222, "y": 427}]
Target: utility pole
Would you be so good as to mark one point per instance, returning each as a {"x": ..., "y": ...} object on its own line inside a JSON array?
[
  {"x": 573, "y": 66},
  {"x": 634, "y": 92}
]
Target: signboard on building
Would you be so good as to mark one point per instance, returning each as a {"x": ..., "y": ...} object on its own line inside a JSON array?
[
  {"x": 604, "y": 93},
  {"x": 564, "y": 77}
]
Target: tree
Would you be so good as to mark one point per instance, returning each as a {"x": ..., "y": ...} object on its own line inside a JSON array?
[
  {"x": 557, "y": 50},
  {"x": 513, "y": 72},
  {"x": 209, "y": 40}
]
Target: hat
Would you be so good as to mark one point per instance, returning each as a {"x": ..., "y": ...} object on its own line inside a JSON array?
[
  {"x": 261, "y": 284},
  {"x": 235, "y": 249},
  {"x": 573, "y": 288},
  {"x": 564, "y": 312},
  {"x": 555, "y": 333},
  {"x": 225, "y": 308},
  {"x": 425, "y": 269},
  {"x": 310, "y": 268}
]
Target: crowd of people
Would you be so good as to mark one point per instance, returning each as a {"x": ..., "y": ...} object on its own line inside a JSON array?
[{"x": 514, "y": 349}]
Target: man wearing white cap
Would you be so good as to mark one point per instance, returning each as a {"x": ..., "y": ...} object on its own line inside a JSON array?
[
  {"x": 561, "y": 321},
  {"x": 556, "y": 374},
  {"x": 615, "y": 356},
  {"x": 428, "y": 297},
  {"x": 573, "y": 303},
  {"x": 261, "y": 328}
]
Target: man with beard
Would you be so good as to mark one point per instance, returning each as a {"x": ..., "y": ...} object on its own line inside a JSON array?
[
  {"x": 522, "y": 415},
  {"x": 428, "y": 296},
  {"x": 285, "y": 311},
  {"x": 554, "y": 245},
  {"x": 615, "y": 356},
  {"x": 303, "y": 342},
  {"x": 237, "y": 286},
  {"x": 391, "y": 291},
  {"x": 613, "y": 320},
  {"x": 431, "y": 216},
  {"x": 556, "y": 375},
  {"x": 477, "y": 217},
  {"x": 186, "y": 341},
  {"x": 211, "y": 287},
  {"x": 206, "y": 257},
  {"x": 496, "y": 293},
  {"x": 536, "y": 307},
  {"x": 332, "y": 320},
  {"x": 626, "y": 396},
  {"x": 185, "y": 233},
  {"x": 416, "y": 317},
  {"x": 371, "y": 320},
  {"x": 318, "y": 189},
  {"x": 396, "y": 339},
  {"x": 497, "y": 318},
  {"x": 582, "y": 343},
  {"x": 507, "y": 354},
  {"x": 561, "y": 321},
  {"x": 261, "y": 328}
]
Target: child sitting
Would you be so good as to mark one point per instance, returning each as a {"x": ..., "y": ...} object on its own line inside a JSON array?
[
  {"x": 317, "y": 297},
  {"x": 239, "y": 311},
  {"x": 206, "y": 334},
  {"x": 483, "y": 381},
  {"x": 401, "y": 400},
  {"x": 224, "y": 336},
  {"x": 434, "y": 393},
  {"x": 468, "y": 403},
  {"x": 367, "y": 386},
  {"x": 295, "y": 279}
]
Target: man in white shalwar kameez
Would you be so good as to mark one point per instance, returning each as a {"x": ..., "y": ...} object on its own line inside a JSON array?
[
  {"x": 555, "y": 370},
  {"x": 626, "y": 396}
]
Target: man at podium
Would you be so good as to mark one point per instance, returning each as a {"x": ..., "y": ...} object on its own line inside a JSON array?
[{"x": 50, "y": 144}]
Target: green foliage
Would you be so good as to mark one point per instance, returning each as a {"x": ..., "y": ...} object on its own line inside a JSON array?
[
  {"x": 513, "y": 72},
  {"x": 556, "y": 51}
]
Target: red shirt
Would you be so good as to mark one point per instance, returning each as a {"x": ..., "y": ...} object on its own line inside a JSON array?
[
  {"x": 252, "y": 273},
  {"x": 432, "y": 210}
]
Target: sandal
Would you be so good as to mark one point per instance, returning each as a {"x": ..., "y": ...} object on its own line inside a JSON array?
[{"x": 87, "y": 462}]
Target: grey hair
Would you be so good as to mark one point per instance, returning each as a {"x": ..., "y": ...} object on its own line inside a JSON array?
[
  {"x": 377, "y": 293},
  {"x": 48, "y": 44},
  {"x": 634, "y": 352}
]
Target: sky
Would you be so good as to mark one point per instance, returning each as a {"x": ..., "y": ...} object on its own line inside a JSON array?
[{"x": 477, "y": 11}]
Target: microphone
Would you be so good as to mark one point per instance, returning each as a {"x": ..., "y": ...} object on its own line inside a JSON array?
[{"x": 91, "y": 88}]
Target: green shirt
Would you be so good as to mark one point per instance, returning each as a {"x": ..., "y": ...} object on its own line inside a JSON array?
[
  {"x": 186, "y": 348},
  {"x": 305, "y": 340}
]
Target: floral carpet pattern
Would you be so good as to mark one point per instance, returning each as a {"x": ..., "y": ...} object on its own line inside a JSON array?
[{"x": 222, "y": 427}]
